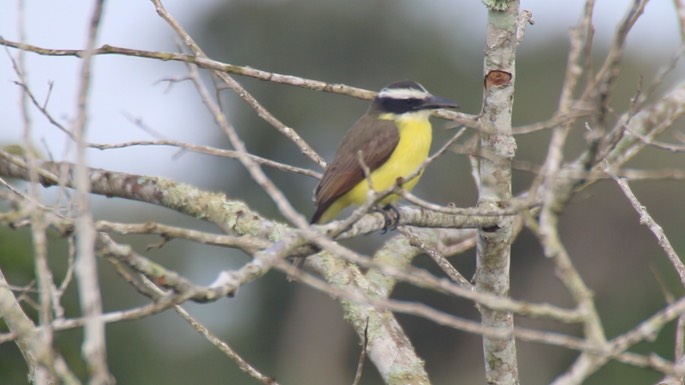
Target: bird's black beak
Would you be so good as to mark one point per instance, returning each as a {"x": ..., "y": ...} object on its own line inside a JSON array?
[{"x": 435, "y": 102}]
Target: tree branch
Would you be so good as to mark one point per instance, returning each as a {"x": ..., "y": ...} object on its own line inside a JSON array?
[{"x": 494, "y": 190}]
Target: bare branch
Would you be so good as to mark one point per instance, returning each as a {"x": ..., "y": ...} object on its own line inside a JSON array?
[
  {"x": 224, "y": 348},
  {"x": 654, "y": 227},
  {"x": 247, "y": 243},
  {"x": 94, "y": 349},
  {"x": 494, "y": 188},
  {"x": 30, "y": 342},
  {"x": 255, "y": 171},
  {"x": 207, "y": 63},
  {"x": 439, "y": 259},
  {"x": 680, "y": 13},
  {"x": 207, "y": 150}
]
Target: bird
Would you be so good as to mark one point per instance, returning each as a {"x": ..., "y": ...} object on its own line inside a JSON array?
[{"x": 391, "y": 141}]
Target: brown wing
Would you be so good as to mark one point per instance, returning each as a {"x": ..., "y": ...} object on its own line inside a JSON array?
[{"x": 344, "y": 172}]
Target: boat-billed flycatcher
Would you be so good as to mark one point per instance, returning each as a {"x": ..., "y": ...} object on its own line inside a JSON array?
[{"x": 393, "y": 139}]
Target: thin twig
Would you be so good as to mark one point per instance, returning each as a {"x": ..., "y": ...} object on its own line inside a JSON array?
[
  {"x": 204, "y": 62},
  {"x": 654, "y": 227},
  {"x": 215, "y": 340},
  {"x": 206, "y": 150},
  {"x": 41, "y": 348},
  {"x": 362, "y": 356},
  {"x": 94, "y": 349},
  {"x": 253, "y": 168},
  {"x": 30, "y": 342},
  {"x": 439, "y": 259},
  {"x": 247, "y": 243},
  {"x": 680, "y": 13}
]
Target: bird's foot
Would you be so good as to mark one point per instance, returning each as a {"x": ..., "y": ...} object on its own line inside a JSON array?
[{"x": 391, "y": 216}]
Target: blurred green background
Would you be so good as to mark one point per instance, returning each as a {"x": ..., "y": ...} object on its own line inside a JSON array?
[{"x": 296, "y": 334}]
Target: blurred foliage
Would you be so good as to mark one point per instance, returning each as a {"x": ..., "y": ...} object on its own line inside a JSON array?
[{"x": 297, "y": 334}]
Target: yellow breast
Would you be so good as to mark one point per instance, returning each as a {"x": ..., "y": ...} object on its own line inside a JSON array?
[{"x": 412, "y": 149}]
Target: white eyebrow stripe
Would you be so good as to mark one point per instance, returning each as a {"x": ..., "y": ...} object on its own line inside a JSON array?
[{"x": 402, "y": 93}]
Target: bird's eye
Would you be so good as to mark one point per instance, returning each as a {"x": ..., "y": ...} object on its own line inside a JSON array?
[{"x": 413, "y": 104}]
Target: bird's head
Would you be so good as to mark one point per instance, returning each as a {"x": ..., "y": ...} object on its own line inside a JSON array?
[{"x": 408, "y": 97}]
